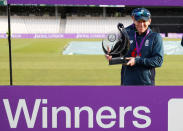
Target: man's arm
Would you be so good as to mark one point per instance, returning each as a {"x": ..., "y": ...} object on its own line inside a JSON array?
[{"x": 157, "y": 54}]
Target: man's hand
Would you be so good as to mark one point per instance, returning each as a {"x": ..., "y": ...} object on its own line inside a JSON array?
[
  {"x": 108, "y": 57},
  {"x": 131, "y": 61}
]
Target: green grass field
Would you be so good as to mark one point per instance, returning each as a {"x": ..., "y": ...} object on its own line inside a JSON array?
[{"x": 40, "y": 62}]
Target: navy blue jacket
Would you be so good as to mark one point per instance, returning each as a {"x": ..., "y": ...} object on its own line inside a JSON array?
[
  {"x": 143, "y": 72},
  {"x": 182, "y": 41}
]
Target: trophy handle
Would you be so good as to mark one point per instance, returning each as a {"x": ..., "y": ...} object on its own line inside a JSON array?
[
  {"x": 105, "y": 51},
  {"x": 120, "y": 26}
]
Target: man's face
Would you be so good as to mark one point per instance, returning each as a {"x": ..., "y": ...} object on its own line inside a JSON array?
[{"x": 142, "y": 25}]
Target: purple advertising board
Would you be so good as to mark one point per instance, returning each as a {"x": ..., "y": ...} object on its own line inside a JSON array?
[
  {"x": 90, "y": 108},
  {"x": 102, "y": 2},
  {"x": 57, "y": 36},
  {"x": 73, "y": 36}
]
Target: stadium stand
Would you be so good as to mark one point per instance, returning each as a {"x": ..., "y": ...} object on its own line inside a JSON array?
[
  {"x": 3, "y": 21},
  {"x": 44, "y": 24},
  {"x": 73, "y": 19},
  {"x": 31, "y": 24},
  {"x": 51, "y": 24},
  {"x": 94, "y": 24}
]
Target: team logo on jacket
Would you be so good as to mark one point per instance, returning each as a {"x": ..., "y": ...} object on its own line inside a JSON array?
[
  {"x": 134, "y": 53},
  {"x": 147, "y": 43}
]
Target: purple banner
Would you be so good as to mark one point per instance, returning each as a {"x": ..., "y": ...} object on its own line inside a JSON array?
[
  {"x": 102, "y": 2},
  {"x": 3, "y": 36},
  {"x": 162, "y": 35},
  {"x": 74, "y": 36},
  {"x": 56, "y": 36},
  {"x": 175, "y": 35},
  {"x": 90, "y": 108}
]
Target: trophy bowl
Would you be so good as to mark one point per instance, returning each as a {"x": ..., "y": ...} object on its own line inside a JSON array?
[{"x": 116, "y": 44}]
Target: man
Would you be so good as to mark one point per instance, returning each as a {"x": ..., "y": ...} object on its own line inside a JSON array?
[{"x": 145, "y": 53}]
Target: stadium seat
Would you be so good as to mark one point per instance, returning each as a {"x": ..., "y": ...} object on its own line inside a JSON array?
[{"x": 51, "y": 24}]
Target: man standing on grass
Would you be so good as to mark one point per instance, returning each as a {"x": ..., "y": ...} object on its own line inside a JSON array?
[{"x": 145, "y": 53}]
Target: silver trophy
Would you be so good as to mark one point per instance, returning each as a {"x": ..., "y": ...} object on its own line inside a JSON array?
[{"x": 117, "y": 44}]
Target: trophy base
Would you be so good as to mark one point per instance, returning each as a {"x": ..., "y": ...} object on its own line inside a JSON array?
[{"x": 118, "y": 60}]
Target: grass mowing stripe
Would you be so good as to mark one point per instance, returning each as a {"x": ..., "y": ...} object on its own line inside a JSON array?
[{"x": 40, "y": 62}]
